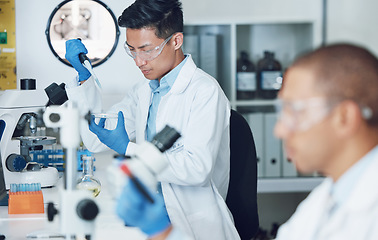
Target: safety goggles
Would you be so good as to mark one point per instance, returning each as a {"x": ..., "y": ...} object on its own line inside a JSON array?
[
  {"x": 148, "y": 55},
  {"x": 301, "y": 115}
]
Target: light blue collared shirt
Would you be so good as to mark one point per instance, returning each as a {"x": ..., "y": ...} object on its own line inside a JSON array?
[
  {"x": 158, "y": 91},
  {"x": 342, "y": 188}
]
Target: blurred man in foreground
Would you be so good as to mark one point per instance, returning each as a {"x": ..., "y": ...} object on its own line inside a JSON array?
[{"x": 329, "y": 124}]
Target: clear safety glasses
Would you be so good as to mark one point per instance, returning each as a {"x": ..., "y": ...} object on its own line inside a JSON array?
[
  {"x": 148, "y": 55},
  {"x": 301, "y": 115}
]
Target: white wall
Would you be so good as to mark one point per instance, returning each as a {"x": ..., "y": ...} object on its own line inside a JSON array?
[
  {"x": 353, "y": 21},
  {"x": 245, "y": 10}
]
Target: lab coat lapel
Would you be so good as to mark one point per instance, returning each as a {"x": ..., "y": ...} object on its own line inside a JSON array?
[
  {"x": 184, "y": 77},
  {"x": 181, "y": 83},
  {"x": 365, "y": 192},
  {"x": 332, "y": 223},
  {"x": 144, "y": 102},
  {"x": 319, "y": 204},
  {"x": 360, "y": 201}
]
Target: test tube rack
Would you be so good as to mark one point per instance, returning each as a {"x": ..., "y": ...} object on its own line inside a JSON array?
[{"x": 25, "y": 198}]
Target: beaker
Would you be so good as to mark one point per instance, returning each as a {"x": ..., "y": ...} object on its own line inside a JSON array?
[{"x": 88, "y": 181}]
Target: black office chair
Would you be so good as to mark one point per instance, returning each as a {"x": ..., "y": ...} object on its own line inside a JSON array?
[{"x": 242, "y": 191}]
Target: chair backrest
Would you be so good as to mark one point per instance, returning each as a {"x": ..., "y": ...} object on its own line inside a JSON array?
[{"x": 242, "y": 191}]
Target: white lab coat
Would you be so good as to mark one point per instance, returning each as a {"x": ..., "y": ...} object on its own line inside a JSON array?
[
  {"x": 195, "y": 183},
  {"x": 356, "y": 218}
]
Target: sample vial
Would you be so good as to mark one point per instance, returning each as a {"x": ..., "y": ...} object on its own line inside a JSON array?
[{"x": 88, "y": 181}]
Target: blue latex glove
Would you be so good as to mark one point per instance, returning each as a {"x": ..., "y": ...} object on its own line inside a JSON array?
[
  {"x": 73, "y": 48},
  {"x": 135, "y": 210},
  {"x": 116, "y": 139}
]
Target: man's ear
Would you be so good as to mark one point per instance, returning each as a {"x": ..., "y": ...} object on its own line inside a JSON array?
[
  {"x": 178, "y": 40},
  {"x": 348, "y": 118}
]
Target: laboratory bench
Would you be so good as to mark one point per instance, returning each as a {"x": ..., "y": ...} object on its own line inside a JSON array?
[{"x": 107, "y": 225}]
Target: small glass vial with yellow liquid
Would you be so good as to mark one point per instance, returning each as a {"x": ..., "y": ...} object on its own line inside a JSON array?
[{"x": 88, "y": 181}]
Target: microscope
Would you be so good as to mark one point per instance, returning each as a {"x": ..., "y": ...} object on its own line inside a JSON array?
[
  {"x": 78, "y": 209},
  {"x": 20, "y": 114}
]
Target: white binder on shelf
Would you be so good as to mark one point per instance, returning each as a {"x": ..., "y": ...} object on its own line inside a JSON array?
[
  {"x": 209, "y": 54},
  {"x": 272, "y": 147},
  {"x": 256, "y": 123},
  {"x": 191, "y": 46},
  {"x": 288, "y": 167}
]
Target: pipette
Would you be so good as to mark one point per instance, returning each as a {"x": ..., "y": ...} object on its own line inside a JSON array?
[
  {"x": 85, "y": 61},
  {"x": 137, "y": 183}
]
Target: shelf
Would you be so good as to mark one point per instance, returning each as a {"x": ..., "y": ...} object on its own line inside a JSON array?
[
  {"x": 216, "y": 46},
  {"x": 281, "y": 185},
  {"x": 255, "y": 102}
]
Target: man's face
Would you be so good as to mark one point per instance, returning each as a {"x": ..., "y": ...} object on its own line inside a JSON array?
[
  {"x": 142, "y": 40},
  {"x": 306, "y": 125}
]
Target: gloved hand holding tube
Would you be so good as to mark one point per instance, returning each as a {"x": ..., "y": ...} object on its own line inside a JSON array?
[
  {"x": 137, "y": 209},
  {"x": 137, "y": 204},
  {"x": 116, "y": 139},
  {"x": 74, "y": 48}
]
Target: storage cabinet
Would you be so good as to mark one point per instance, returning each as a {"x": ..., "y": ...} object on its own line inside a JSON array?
[
  {"x": 216, "y": 47},
  {"x": 210, "y": 46}
]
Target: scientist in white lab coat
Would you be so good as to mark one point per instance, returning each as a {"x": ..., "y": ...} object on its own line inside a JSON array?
[
  {"x": 329, "y": 124},
  {"x": 175, "y": 93}
]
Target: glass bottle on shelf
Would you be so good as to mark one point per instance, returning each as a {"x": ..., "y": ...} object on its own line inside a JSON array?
[
  {"x": 88, "y": 181},
  {"x": 269, "y": 76},
  {"x": 246, "y": 77}
]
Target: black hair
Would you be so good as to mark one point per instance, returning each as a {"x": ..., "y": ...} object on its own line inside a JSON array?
[{"x": 165, "y": 16}]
